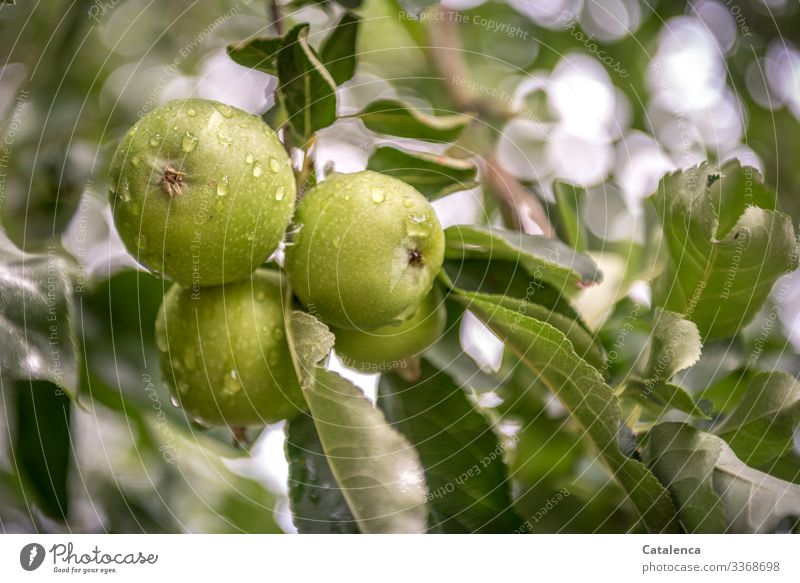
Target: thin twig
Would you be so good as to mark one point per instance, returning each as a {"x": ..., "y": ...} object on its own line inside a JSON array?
[
  {"x": 240, "y": 440},
  {"x": 445, "y": 54},
  {"x": 526, "y": 211},
  {"x": 307, "y": 168},
  {"x": 410, "y": 369},
  {"x": 274, "y": 14}
]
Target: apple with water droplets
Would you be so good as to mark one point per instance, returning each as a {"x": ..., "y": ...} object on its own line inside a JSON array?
[
  {"x": 391, "y": 346},
  {"x": 365, "y": 249},
  {"x": 201, "y": 192},
  {"x": 224, "y": 352}
]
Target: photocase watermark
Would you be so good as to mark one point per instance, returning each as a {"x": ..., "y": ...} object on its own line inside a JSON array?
[
  {"x": 100, "y": 9},
  {"x": 534, "y": 286},
  {"x": 372, "y": 367},
  {"x": 168, "y": 450},
  {"x": 53, "y": 297},
  {"x": 570, "y": 22},
  {"x": 510, "y": 30},
  {"x": 695, "y": 299},
  {"x": 738, "y": 17},
  {"x": 66, "y": 560},
  {"x": 473, "y": 471},
  {"x": 173, "y": 69},
  {"x": 12, "y": 129},
  {"x": 776, "y": 309},
  {"x": 551, "y": 503},
  {"x": 622, "y": 336},
  {"x": 31, "y": 556},
  {"x": 501, "y": 95},
  {"x": 730, "y": 277},
  {"x": 82, "y": 237}
]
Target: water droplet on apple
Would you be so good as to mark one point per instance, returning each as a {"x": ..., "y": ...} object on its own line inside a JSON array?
[
  {"x": 222, "y": 186},
  {"x": 224, "y": 109},
  {"x": 257, "y": 171},
  {"x": 231, "y": 382},
  {"x": 189, "y": 142},
  {"x": 161, "y": 343}
]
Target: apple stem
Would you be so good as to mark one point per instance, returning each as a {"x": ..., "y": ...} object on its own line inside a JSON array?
[
  {"x": 240, "y": 440},
  {"x": 409, "y": 369}
]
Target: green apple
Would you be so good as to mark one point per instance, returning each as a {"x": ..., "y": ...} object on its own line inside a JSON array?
[
  {"x": 386, "y": 347},
  {"x": 224, "y": 352},
  {"x": 365, "y": 250},
  {"x": 201, "y": 192}
]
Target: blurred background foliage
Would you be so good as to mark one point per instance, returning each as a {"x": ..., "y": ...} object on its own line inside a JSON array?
[{"x": 609, "y": 95}]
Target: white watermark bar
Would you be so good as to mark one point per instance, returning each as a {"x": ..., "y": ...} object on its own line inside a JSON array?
[{"x": 400, "y": 558}]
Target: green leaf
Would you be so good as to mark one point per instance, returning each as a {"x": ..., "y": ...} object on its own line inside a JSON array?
[
  {"x": 568, "y": 224},
  {"x": 506, "y": 278},
  {"x": 582, "y": 341},
  {"x": 786, "y": 467},
  {"x": 726, "y": 393},
  {"x": 338, "y": 52},
  {"x": 258, "y": 53},
  {"x": 761, "y": 427},
  {"x": 684, "y": 459},
  {"x": 668, "y": 395},
  {"x": 727, "y": 245},
  {"x": 754, "y": 502},
  {"x": 310, "y": 342},
  {"x": 395, "y": 118},
  {"x": 42, "y": 446},
  {"x": 548, "y": 260},
  {"x": 318, "y": 505},
  {"x": 433, "y": 175},
  {"x": 674, "y": 345},
  {"x": 378, "y": 471},
  {"x": 469, "y": 486},
  {"x": 307, "y": 90},
  {"x": 590, "y": 401},
  {"x": 36, "y": 318}
]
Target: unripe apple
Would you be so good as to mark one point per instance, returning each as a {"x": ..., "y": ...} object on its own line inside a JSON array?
[
  {"x": 202, "y": 192},
  {"x": 365, "y": 250},
  {"x": 224, "y": 352},
  {"x": 386, "y": 347}
]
